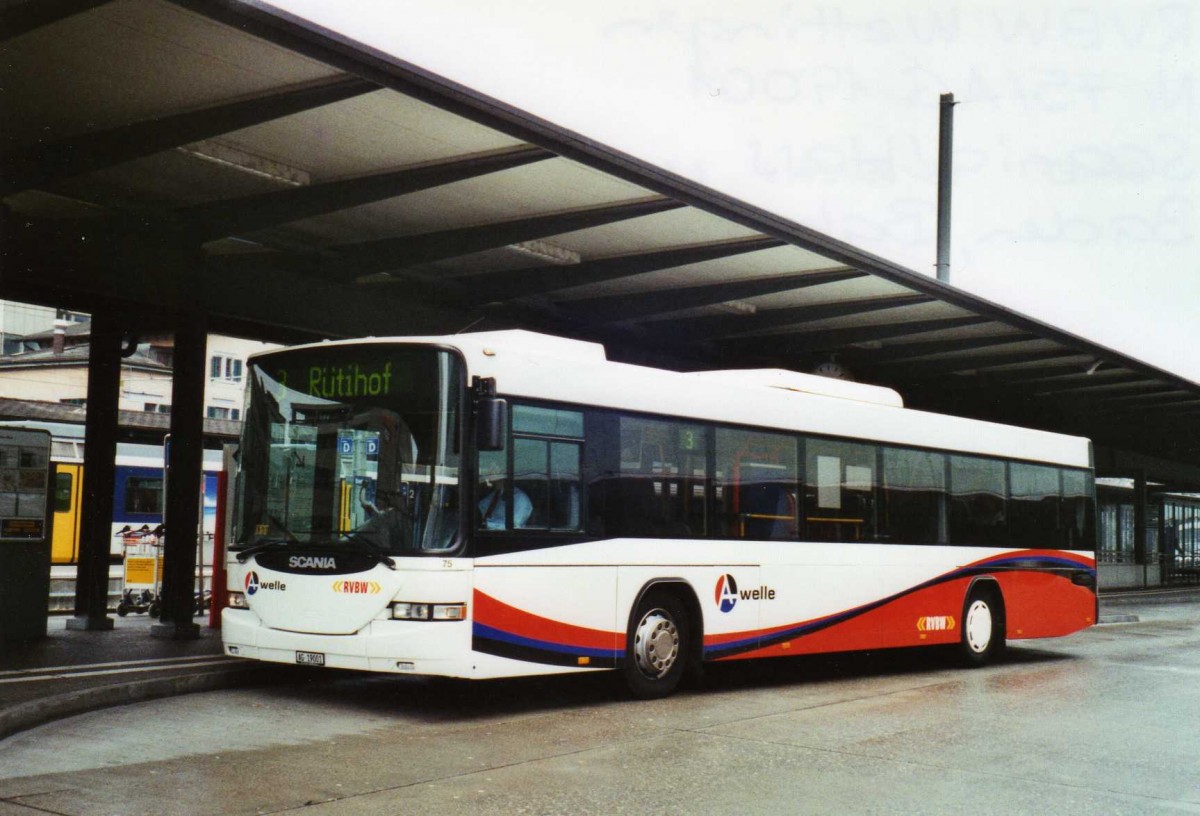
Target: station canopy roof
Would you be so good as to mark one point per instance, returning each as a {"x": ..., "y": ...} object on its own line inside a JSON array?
[{"x": 162, "y": 156}]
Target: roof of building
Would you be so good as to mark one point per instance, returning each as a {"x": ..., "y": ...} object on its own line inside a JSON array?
[
  {"x": 140, "y": 422},
  {"x": 75, "y": 355}
]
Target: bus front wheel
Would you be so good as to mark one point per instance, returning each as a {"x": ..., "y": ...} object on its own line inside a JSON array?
[
  {"x": 983, "y": 630},
  {"x": 656, "y": 646}
]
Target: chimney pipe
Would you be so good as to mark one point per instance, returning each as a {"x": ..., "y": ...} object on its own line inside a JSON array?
[
  {"x": 60, "y": 336},
  {"x": 945, "y": 161}
]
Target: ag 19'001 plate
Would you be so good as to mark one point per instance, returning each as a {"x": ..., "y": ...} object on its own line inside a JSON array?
[{"x": 310, "y": 658}]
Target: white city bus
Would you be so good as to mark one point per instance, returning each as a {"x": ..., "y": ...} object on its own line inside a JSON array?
[{"x": 507, "y": 503}]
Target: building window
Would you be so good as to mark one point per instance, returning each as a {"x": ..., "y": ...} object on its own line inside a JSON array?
[
  {"x": 156, "y": 408},
  {"x": 225, "y": 368},
  {"x": 217, "y": 412}
]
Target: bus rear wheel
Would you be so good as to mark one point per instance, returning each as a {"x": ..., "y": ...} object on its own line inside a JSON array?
[
  {"x": 656, "y": 646},
  {"x": 983, "y": 631}
]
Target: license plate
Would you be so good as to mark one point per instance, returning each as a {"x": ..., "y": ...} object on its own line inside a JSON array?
[{"x": 310, "y": 658}]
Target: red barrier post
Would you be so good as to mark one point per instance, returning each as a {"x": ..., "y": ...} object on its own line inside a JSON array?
[{"x": 220, "y": 592}]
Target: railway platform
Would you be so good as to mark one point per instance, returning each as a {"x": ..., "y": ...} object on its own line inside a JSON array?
[{"x": 72, "y": 672}]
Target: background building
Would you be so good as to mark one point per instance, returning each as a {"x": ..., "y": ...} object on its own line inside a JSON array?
[{"x": 46, "y": 365}]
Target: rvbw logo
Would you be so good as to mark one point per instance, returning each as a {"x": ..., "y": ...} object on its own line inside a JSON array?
[{"x": 726, "y": 593}]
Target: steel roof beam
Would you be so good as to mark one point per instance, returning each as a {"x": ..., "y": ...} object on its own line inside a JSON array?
[
  {"x": 834, "y": 339},
  {"x": 515, "y": 283},
  {"x": 1158, "y": 394},
  {"x": 718, "y": 326},
  {"x": 1092, "y": 386},
  {"x": 349, "y": 261},
  {"x": 936, "y": 368},
  {"x": 1066, "y": 374},
  {"x": 218, "y": 219},
  {"x": 41, "y": 165},
  {"x": 27, "y": 15},
  {"x": 642, "y": 305},
  {"x": 906, "y": 352}
]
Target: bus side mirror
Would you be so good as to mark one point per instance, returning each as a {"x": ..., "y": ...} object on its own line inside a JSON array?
[{"x": 491, "y": 424}]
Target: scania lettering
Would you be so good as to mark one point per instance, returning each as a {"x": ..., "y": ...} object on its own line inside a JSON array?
[
  {"x": 502, "y": 504},
  {"x": 312, "y": 562}
]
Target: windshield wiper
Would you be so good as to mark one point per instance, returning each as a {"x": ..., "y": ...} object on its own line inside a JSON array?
[
  {"x": 262, "y": 545},
  {"x": 372, "y": 547}
]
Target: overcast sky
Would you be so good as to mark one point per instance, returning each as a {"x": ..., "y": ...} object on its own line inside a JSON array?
[{"x": 1077, "y": 165}]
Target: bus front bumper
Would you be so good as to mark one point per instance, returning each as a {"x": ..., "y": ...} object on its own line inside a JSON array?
[{"x": 406, "y": 647}]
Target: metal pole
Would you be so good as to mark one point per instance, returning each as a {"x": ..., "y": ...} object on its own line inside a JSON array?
[{"x": 945, "y": 162}]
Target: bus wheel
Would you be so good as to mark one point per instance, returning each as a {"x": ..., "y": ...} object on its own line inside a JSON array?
[
  {"x": 982, "y": 627},
  {"x": 656, "y": 646}
]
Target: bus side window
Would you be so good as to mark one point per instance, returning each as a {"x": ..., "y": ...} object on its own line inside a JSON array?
[
  {"x": 1078, "y": 510},
  {"x": 840, "y": 491},
  {"x": 1034, "y": 505},
  {"x": 912, "y": 497},
  {"x": 756, "y": 478},
  {"x": 660, "y": 487},
  {"x": 547, "y": 453},
  {"x": 978, "y": 502}
]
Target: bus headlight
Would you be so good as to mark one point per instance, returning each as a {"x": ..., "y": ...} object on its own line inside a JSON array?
[
  {"x": 449, "y": 612},
  {"x": 237, "y": 600},
  {"x": 402, "y": 610}
]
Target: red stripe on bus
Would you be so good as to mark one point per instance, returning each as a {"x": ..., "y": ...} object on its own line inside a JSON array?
[{"x": 499, "y": 615}]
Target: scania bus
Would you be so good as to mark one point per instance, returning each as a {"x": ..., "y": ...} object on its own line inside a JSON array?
[{"x": 508, "y": 503}]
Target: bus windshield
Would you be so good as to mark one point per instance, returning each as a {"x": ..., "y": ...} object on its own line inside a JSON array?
[{"x": 352, "y": 445}]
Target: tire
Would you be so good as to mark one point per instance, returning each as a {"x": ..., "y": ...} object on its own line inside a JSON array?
[
  {"x": 154, "y": 609},
  {"x": 983, "y": 630},
  {"x": 122, "y": 610},
  {"x": 656, "y": 646}
]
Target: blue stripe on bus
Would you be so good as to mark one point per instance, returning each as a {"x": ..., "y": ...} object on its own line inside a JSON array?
[{"x": 487, "y": 632}]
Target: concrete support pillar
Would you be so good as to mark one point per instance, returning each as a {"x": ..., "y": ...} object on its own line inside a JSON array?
[
  {"x": 184, "y": 480},
  {"x": 99, "y": 466}
]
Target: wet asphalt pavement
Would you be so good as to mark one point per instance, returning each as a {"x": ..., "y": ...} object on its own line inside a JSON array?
[{"x": 1106, "y": 721}]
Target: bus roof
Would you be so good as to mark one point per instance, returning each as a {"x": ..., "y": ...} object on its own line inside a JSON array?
[{"x": 544, "y": 367}]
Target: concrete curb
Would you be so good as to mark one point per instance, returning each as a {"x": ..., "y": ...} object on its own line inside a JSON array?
[
  {"x": 28, "y": 715},
  {"x": 1118, "y": 619},
  {"x": 1169, "y": 596}
]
